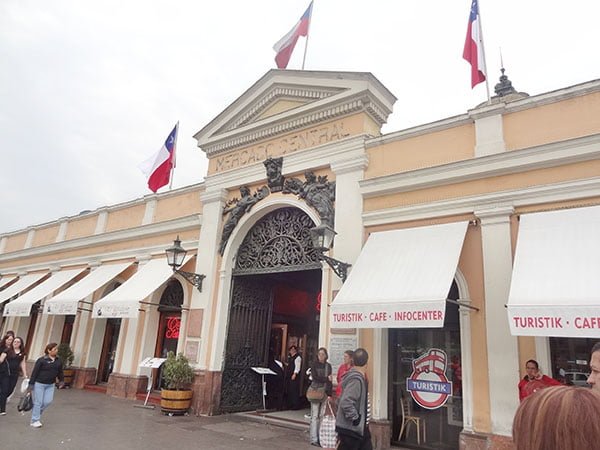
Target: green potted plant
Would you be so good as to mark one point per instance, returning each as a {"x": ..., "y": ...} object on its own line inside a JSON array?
[
  {"x": 177, "y": 375},
  {"x": 66, "y": 355}
]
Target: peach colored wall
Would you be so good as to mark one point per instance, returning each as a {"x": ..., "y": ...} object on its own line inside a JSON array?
[
  {"x": 559, "y": 121},
  {"x": 454, "y": 144},
  {"x": 169, "y": 208},
  {"x": 526, "y": 345},
  {"x": 471, "y": 266},
  {"x": 81, "y": 227},
  {"x": 298, "y": 140},
  {"x": 121, "y": 219},
  {"x": 280, "y": 106},
  {"x": 538, "y": 177},
  {"x": 163, "y": 239},
  {"x": 15, "y": 242},
  {"x": 45, "y": 236}
]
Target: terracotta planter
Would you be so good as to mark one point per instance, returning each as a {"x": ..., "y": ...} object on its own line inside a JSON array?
[
  {"x": 69, "y": 376},
  {"x": 175, "y": 402}
]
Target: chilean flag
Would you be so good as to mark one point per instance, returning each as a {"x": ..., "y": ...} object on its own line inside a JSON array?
[
  {"x": 285, "y": 46},
  {"x": 158, "y": 167},
  {"x": 473, "y": 51}
]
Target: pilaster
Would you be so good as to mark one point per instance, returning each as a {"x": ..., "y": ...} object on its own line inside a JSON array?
[{"x": 503, "y": 356}]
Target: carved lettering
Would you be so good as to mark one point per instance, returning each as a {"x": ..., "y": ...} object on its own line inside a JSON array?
[{"x": 288, "y": 144}]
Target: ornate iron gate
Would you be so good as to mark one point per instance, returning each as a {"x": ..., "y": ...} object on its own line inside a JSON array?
[
  {"x": 279, "y": 242},
  {"x": 247, "y": 344}
]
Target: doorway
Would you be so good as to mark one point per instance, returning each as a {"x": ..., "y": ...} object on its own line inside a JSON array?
[
  {"x": 169, "y": 325},
  {"x": 420, "y": 419},
  {"x": 275, "y": 284},
  {"x": 109, "y": 349}
]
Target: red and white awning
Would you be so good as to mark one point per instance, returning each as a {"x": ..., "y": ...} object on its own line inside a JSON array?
[
  {"x": 555, "y": 286},
  {"x": 21, "y": 306},
  {"x": 125, "y": 300},
  {"x": 23, "y": 283},
  {"x": 67, "y": 302},
  {"x": 401, "y": 279}
]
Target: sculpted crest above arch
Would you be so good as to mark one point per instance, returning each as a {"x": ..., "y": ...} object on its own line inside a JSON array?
[{"x": 317, "y": 191}]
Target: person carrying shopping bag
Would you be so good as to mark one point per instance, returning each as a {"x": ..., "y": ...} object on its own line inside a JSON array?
[
  {"x": 319, "y": 392},
  {"x": 46, "y": 371}
]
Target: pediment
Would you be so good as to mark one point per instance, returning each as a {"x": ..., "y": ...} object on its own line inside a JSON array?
[{"x": 286, "y": 100}]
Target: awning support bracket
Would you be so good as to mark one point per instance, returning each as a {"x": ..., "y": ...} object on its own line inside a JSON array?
[{"x": 463, "y": 304}]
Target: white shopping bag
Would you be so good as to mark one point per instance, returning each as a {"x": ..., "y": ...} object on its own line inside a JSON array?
[{"x": 24, "y": 385}]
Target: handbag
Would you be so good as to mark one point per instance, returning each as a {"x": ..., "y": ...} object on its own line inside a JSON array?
[
  {"x": 327, "y": 433},
  {"x": 24, "y": 385},
  {"x": 26, "y": 402},
  {"x": 315, "y": 394}
]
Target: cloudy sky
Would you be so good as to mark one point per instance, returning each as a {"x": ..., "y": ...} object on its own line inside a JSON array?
[{"x": 88, "y": 90}]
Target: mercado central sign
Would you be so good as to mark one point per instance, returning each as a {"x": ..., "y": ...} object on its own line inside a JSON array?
[{"x": 312, "y": 137}]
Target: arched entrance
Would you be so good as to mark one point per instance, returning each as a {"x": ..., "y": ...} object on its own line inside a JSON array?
[
  {"x": 275, "y": 283},
  {"x": 427, "y": 420},
  {"x": 169, "y": 324}
]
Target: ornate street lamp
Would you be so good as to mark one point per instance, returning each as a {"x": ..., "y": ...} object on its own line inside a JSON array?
[
  {"x": 322, "y": 239},
  {"x": 175, "y": 256}
]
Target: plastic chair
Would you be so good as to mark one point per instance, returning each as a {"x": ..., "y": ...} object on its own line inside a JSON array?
[{"x": 408, "y": 419}]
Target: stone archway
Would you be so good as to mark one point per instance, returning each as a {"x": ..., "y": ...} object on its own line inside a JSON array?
[{"x": 278, "y": 242}]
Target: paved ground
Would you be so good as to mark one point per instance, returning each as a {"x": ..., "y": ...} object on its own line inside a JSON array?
[{"x": 89, "y": 420}]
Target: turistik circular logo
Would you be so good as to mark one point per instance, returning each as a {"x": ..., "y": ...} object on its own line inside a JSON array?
[{"x": 428, "y": 384}]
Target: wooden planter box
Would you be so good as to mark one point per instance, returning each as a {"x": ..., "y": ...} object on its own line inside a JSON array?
[
  {"x": 69, "y": 376},
  {"x": 175, "y": 402}
]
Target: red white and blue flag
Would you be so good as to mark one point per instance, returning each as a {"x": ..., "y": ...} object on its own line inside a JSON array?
[
  {"x": 158, "y": 167},
  {"x": 473, "y": 51},
  {"x": 285, "y": 46}
]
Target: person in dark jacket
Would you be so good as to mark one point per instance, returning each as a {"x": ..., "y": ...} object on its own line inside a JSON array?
[
  {"x": 321, "y": 379},
  {"x": 12, "y": 362},
  {"x": 47, "y": 369},
  {"x": 351, "y": 421}
]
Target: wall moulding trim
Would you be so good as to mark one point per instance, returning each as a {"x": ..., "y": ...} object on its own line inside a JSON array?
[
  {"x": 362, "y": 101},
  {"x": 559, "y": 192},
  {"x": 175, "y": 226},
  {"x": 515, "y": 161},
  {"x": 314, "y": 158},
  {"x": 97, "y": 259},
  {"x": 358, "y": 163}
]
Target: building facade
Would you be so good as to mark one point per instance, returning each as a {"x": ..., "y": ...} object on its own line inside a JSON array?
[{"x": 441, "y": 223}]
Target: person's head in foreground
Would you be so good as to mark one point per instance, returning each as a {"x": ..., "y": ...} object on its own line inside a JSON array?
[{"x": 558, "y": 418}]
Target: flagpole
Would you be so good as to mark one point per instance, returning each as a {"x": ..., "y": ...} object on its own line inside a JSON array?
[
  {"x": 307, "y": 34},
  {"x": 487, "y": 84},
  {"x": 174, "y": 156}
]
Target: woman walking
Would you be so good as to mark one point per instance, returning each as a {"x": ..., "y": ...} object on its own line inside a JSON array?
[
  {"x": 12, "y": 360},
  {"x": 43, "y": 377},
  {"x": 5, "y": 346},
  {"x": 321, "y": 375}
]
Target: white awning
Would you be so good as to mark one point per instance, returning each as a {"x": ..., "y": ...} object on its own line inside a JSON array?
[
  {"x": 555, "y": 287},
  {"x": 401, "y": 279},
  {"x": 21, "y": 306},
  {"x": 68, "y": 300},
  {"x": 5, "y": 280},
  {"x": 124, "y": 301},
  {"x": 18, "y": 287}
]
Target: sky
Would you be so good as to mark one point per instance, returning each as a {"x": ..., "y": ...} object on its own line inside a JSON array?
[{"x": 88, "y": 90}]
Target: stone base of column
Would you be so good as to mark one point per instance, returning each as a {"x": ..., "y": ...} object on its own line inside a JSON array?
[
  {"x": 83, "y": 376},
  {"x": 207, "y": 393},
  {"x": 481, "y": 441},
  {"x": 381, "y": 433},
  {"x": 126, "y": 386}
]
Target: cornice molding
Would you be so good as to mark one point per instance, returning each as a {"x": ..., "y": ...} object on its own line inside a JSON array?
[
  {"x": 280, "y": 92},
  {"x": 212, "y": 196},
  {"x": 362, "y": 101},
  {"x": 567, "y": 191},
  {"x": 358, "y": 163},
  {"x": 175, "y": 226},
  {"x": 515, "y": 161}
]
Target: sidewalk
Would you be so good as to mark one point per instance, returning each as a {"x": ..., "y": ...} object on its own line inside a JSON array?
[{"x": 87, "y": 420}]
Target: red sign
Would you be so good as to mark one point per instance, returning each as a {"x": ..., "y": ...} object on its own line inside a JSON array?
[{"x": 173, "y": 325}]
